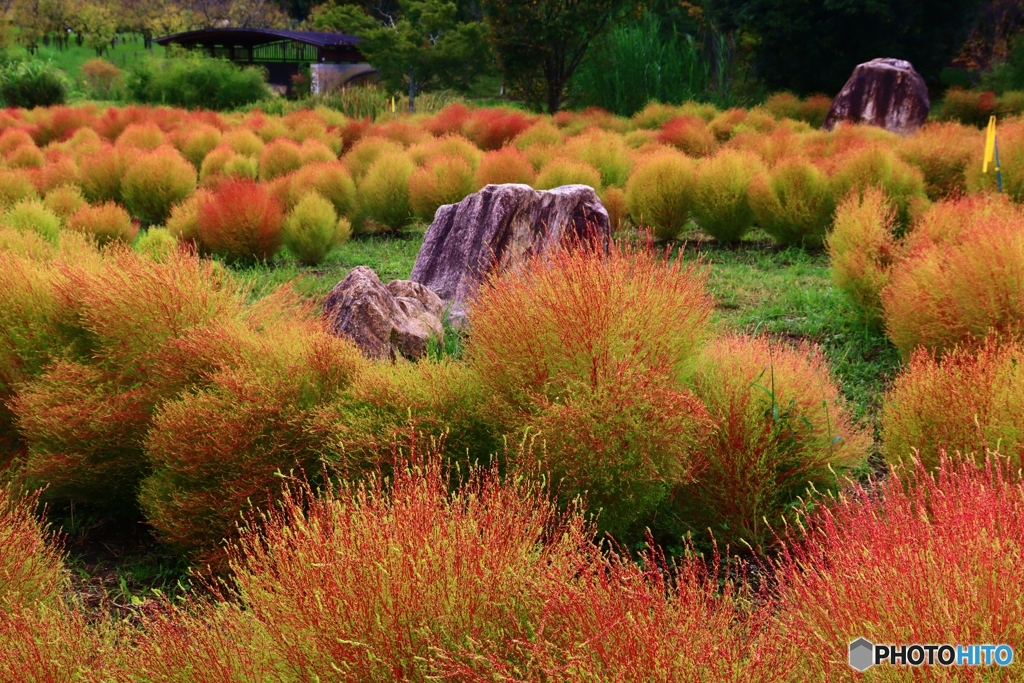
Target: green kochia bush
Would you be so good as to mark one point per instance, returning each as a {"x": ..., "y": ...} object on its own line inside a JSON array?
[{"x": 195, "y": 82}]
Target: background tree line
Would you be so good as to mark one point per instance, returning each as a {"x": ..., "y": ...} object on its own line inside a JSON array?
[{"x": 617, "y": 54}]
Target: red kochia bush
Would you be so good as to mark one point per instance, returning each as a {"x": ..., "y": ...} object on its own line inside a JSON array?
[
  {"x": 589, "y": 350},
  {"x": 31, "y": 568},
  {"x": 241, "y": 221},
  {"x": 408, "y": 580},
  {"x": 506, "y": 165},
  {"x": 216, "y": 451},
  {"x": 781, "y": 426},
  {"x": 494, "y": 128},
  {"x": 924, "y": 558}
]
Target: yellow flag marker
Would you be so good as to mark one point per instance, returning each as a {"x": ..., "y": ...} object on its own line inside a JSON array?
[
  {"x": 393, "y": 106},
  {"x": 990, "y": 144}
]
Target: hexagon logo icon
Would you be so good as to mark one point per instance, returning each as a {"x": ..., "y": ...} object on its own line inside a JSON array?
[{"x": 862, "y": 654}]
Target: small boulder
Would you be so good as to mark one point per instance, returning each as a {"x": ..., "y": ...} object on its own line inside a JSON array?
[
  {"x": 498, "y": 227},
  {"x": 384, "y": 321},
  {"x": 888, "y": 93}
]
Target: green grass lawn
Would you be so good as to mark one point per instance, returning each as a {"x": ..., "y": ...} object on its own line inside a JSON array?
[{"x": 129, "y": 50}]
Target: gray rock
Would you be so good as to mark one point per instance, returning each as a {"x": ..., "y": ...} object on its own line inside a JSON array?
[
  {"x": 498, "y": 228},
  {"x": 887, "y": 93},
  {"x": 384, "y": 321}
]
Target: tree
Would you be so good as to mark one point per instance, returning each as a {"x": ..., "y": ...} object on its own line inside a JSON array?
[
  {"x": 416, "y": 45},
  {"x": 541, "y": 43},
  {"x": 813, "y": 45}
]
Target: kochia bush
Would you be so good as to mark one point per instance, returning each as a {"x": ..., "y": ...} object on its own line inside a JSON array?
[
  {"x": 967, "y": 402},
  {"x": 720, "y": 205},
  {"x": 312, "y": 230},
  {"x": 445, "y": 180},
  {"x": 104, "y": 222},
  {"x": 155, "y": 182},
  {"x": 862, "y": 248},
  {"x": 660, "y": 194},
  {"x": 879, "y": 563},
  {"x": 240, "y": 221},
  {"x": 793, "y": 202},
  {"x": 384, "y": 202},
  {"x": 506, "y": 165},
  {"x": 782, "y": 427}
]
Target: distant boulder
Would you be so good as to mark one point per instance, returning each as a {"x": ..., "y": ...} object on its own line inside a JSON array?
[{"x": 887, "y": 93}]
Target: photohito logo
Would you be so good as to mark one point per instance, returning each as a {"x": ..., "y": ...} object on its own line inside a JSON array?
[{"x": 864, "y": 654}]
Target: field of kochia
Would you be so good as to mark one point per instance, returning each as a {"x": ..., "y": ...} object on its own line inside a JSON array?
[{"x": 600, "y": 479}]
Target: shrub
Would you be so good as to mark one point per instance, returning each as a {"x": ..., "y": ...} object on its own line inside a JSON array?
[
  {"x": 942, "y": 152},
  {"x": 33, "y": 84},
  {"x": 53, "y": 643},
  {"x": 614, "y": 200},
  {"x": 15, "y": 185},
  {"x": 143, "y": 136},
  {"x": 660, "y": 194},
  {"x": 243, "y": 141},
  {"x": 101, "y": 78},
  {"x": 604, "y": 151},
  {"x": 814, "y": 109},
  {"x": 183, "y": 223},
  {"x": 862, "y": 248},
  {"x": 688, "y": 134},
  {"x": 450, "y": 145},
  {"x": 278, "y": 158},
  {"x": 211, "y": 171},
  {"x": 451, "y": 119},
  {"x": 13, "y": 138},
  {"x": 31, "y": 565},
  {"x": 580, "y": 320},
  {"x": 102, "y": 173},
  {"x": 240, "y": 221},
  {"x": 491, "y": 129},
  {"x": 878, "y": 564},
  {"x": 61, "y": 171},
  {"x": 313, "y": 151},
  {"x": 793, "y": 202},
  {"x": 106, "y": 222},
  {"x": 540, "y": 134},
  {"x": 506, "y": 165},
  {"x": 961, "y": 290},
  {"x": 587, "y": 351},
  {"x": 157, "y": 244},
  {"x": 215, "y": 451},
  {"x": 720, "y": 205},
  {"x": 875, "y": 166},
  {"x": 972, "y": 108},
  {"x": 196, "y": 82},
  {"x": 25, "y": 156},
  {"x": 85, "y": 416},
  {"x": 32, "y": 215},
  {"x": 311, "y": 230},
  {"x": 783, "y": 428},
  {"x": 364, "y": 155},
  {"x": 560, "y": 172},
  {"x": 155, "y": 182},
  {"x": 783, "y": 105},
  {"x": 64, "y": 200},
  {"x": 199, "y": 141},
  {"x": 331, "y": 180},
  {"x": 446, "y": 180},
  {"x": 967, "y": 402},
  {"x": 409, "y": 569},
  {"x": 383, "y": 194}
]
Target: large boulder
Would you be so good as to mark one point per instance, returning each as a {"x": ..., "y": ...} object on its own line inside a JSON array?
[
  {"x": 385, "y": 321},
  {"x": 499, "y": 227},
  {"x": 883, "y": 92}
]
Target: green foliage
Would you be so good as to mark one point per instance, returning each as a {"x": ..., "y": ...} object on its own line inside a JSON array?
[
  {"x": 634, "y": 64},
  {"x": 156, "y": 182},
  {"x": 541, "y": 43},
  {"x": 720, "y": 206},
  {"x": 660, "y": 194},
  {"x": 31, "y": 84},
  {"x": 813, "y": 46},
  {"x": 384, "y": 203},
  {"x": 311, "y": 229},
  {"x": 31, "y": 214},
  {"x": 426, "y": 47},
  {"x": 194, "y": 82},
  {"x": 793, "y": 202}
]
